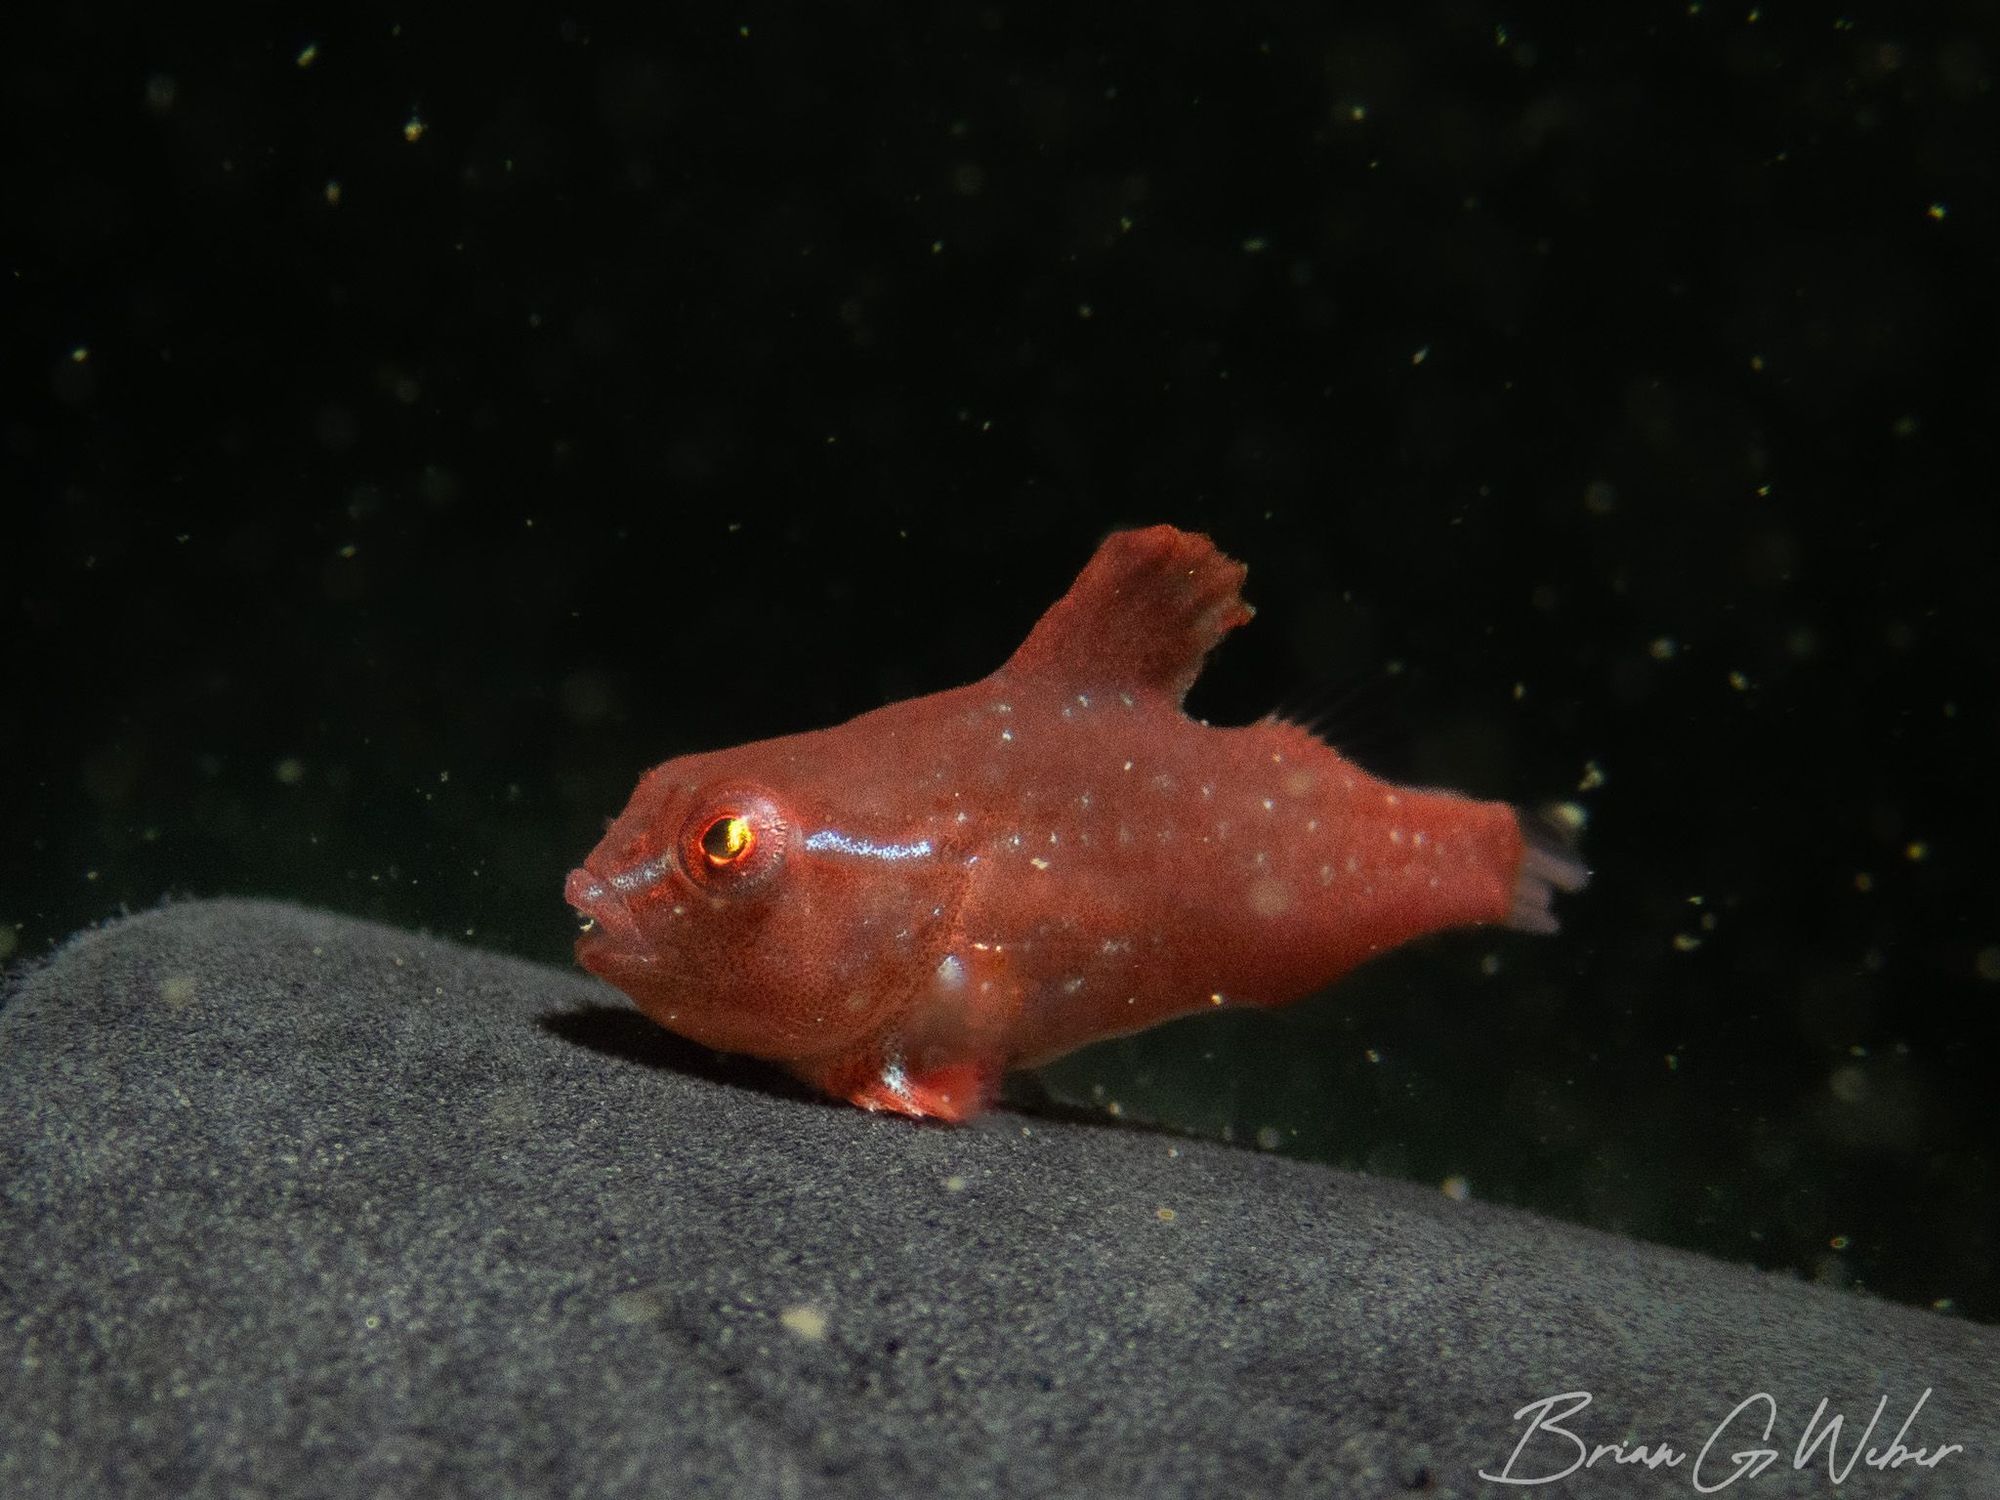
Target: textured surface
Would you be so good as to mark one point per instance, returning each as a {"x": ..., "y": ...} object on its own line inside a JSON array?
[
  {"x": 1602, "y": 400},
  {"x": 298, "y": 1204}
]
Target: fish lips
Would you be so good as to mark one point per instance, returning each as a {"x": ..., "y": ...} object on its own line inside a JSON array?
[{"x": 612, "y": 931}]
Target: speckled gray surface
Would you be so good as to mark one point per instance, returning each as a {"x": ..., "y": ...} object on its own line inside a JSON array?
[{"x": 293, "y": 1204}]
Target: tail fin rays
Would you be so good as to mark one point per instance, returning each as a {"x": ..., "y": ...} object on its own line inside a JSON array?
[{"x": 1549, "y": 864}]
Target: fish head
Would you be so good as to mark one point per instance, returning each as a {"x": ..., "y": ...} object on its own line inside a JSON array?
[{"x": 738, "y": 913}]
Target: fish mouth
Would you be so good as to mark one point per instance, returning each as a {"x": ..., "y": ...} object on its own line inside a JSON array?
[{"x": 608, "y": 925}]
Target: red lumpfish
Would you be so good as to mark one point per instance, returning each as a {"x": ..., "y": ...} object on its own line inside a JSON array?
[{"x": 902, "y": 907}]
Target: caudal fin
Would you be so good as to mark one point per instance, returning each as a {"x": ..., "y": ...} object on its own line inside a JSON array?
[{"x": 1549, "y": 864}]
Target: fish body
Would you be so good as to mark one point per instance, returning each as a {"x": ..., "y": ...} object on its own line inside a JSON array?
[{"x": 900, "y": 908}]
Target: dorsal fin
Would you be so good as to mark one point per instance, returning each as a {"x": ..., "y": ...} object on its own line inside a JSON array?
[{"x": 1141, "y": 617}]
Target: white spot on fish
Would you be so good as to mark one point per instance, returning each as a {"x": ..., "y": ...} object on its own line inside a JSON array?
[
  {"x": 1270, "y": 897},
  {"x": 1039, "y": 863},
  {"x": 1269, "y": 805},
  {"x": 950, "y": 972}
]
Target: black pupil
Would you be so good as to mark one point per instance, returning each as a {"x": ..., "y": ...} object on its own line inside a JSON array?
[{"x": 718, "y": 841}]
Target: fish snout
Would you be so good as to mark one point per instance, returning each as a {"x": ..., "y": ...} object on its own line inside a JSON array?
[
  {"x": 600, "y": 903},
  {"x": 583, "y": 890}
]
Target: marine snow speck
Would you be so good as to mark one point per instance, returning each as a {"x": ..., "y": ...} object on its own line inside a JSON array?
[{"x": 901, "y": 908}]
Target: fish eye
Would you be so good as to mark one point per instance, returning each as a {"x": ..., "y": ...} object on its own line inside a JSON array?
[
  {"x": 734, "y": 839},
  {"x": 728, "y": 840}
]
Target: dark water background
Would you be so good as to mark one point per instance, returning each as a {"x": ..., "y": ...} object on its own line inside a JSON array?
[{"x": 414, "y": 429}]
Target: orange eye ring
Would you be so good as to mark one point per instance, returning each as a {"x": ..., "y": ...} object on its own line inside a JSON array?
[
  {"x": 728, "y": 840},
  {"x": 733, "y": 841}
]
